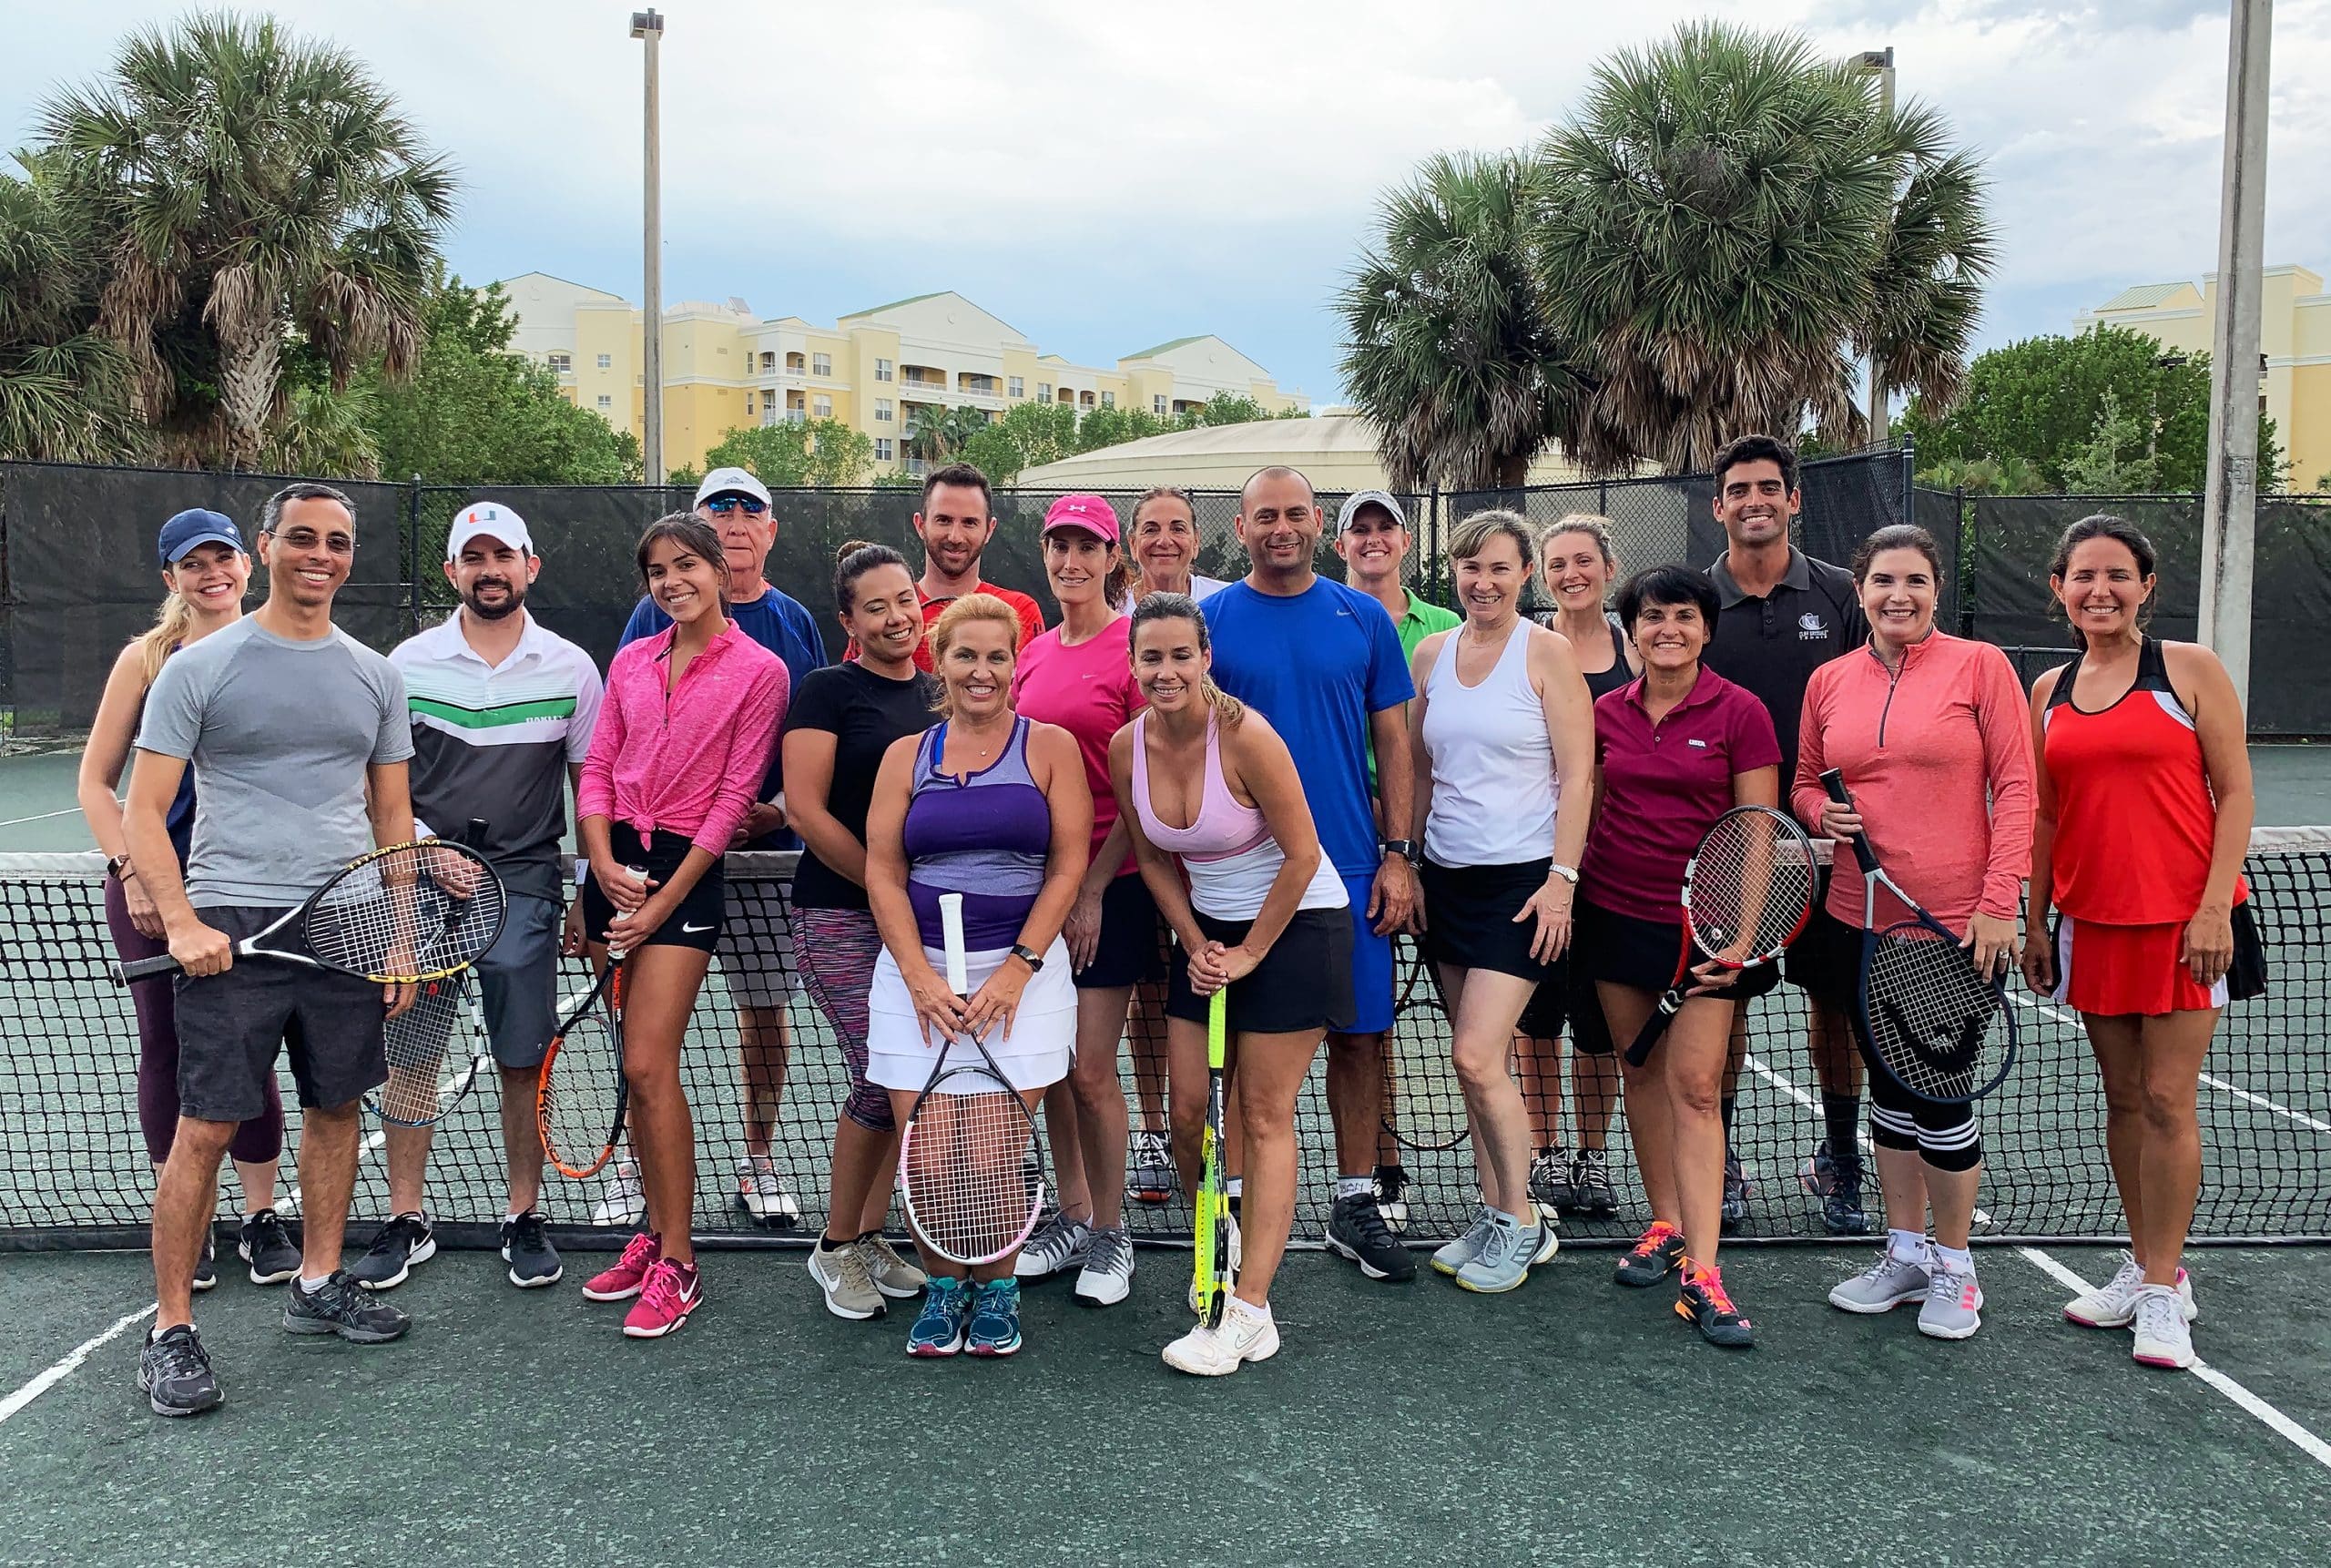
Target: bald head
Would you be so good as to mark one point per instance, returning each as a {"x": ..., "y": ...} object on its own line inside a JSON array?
[
  {"x": 1279, "y": 523},
  {"x": 1276, "y": 474}
]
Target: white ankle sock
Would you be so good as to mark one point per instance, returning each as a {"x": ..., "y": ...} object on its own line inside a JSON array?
[{"x": 1906, "y": 1245}]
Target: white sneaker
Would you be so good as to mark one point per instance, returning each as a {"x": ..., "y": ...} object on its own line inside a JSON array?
[
  {"x": 622, "y": 1200},
  {"x": 849, "y": 1286},
  {"x": 1243, "y": 1335},
  {"x": 1107, "y": 1274},
  {"x": 762, "y": 1193},
  {"x": 2163, "y": 1340},
  {"x": 2113, "y": 1304},
  {"x": 1230, "y": 1281},
  {"x": 1056, "y": 1244}
]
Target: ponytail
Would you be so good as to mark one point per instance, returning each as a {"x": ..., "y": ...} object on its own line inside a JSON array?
[{"x": 170, "y": 626}]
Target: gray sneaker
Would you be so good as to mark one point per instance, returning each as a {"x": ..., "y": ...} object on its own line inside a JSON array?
[
  {"x": 1550, "y": 1184},
  {"x": 1505, "y": 1259},
  {"x": 1883, "y": 1285},
  {"x": 1954, "y": 1307},
  {"x": 1452, "y": 1255},
  {"x": 1057, "y": 1244},
  {"x": 1107, "y": 1274},
  {"x": 844, "y": 1274},
  {"x": 1150, "y": 1176},
  {"x": 893, "y": 1276},
  {"x": 343, "y": 1306}
]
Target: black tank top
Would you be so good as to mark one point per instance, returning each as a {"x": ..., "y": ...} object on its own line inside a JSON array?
[{"x": 1599, "y": 682}]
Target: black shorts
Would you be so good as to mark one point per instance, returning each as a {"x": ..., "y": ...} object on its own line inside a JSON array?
[
  {"x": 1623, "y": 951},
  {"x": 231, "y": 1025},
  {"x": 1131, "y": 948},
  {"x": 698, "y": 919},
  {"x": 1303, "y": 982},
  {"x": 1567, "y": 996},
  {"x": 1824, "y": 961},
  {"x": 1469, "y": 917}
]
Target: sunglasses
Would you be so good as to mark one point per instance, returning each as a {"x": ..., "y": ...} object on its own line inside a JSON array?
[{"x": 724, "y": 505}]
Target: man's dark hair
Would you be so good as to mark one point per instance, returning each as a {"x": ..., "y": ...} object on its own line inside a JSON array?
[
  {"x": 1757, "y": 449},
  {"x": 962, "y": 474},
  {"x": 1667, "y": 585},
  {"x": 302, "y": 490}
]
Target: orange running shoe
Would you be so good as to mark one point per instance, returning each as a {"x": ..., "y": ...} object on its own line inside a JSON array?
[
  {"x": 1704, "y": 1302},
  {"x": 1655, "y": 1257}
]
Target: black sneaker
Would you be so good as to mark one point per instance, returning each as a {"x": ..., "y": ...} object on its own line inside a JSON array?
[
  {"x": 1707, "y": 1307},
  {"x": 1356, "y": 1229},
  {"x": 1590, "y": 1184},
  {"x": 1392, "y": 1194},
  {"x": 1550, "y": 1182},
  {"x": 396, "y": 1247},
  {"x": 1841, "y": 1210},
  {"x": 174, "y": 1374},
  {"x": 268, "y": 1247},
  {"x": 1656, "y": 1254},
  {"x": 341, "y": 1307},
  {"x": 1736, "y": 1196},
  {"x": 526, "y": 1248},
  {"x": 206, "y": 1266}
]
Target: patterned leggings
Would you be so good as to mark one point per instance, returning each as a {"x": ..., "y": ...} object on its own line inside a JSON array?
[{"x": 836, "y": 950}]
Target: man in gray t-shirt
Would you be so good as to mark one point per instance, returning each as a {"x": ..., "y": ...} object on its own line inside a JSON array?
[{"x": 297, "y": 736}]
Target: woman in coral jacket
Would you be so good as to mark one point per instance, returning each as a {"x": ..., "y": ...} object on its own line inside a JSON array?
[{"x": 1932, "y": 734}]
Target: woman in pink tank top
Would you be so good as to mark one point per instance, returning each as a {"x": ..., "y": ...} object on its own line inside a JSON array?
[{"x": 1211, "y": 796}]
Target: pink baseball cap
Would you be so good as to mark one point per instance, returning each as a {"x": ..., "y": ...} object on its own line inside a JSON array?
[{"x": 1090, "y": 513}]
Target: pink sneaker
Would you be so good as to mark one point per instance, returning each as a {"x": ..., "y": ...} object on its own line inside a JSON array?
[
  {"x": 672, "y": 1291},
  {"x": 623, "y": 1282}
]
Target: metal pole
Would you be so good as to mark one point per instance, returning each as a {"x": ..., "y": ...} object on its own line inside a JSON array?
[
  {"x": 1882, "y": 62},
  {"x": 2230, "y": 498},
  {"x": 648, "y": 27}
]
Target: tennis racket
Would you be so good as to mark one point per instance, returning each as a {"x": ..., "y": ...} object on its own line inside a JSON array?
[
  {"x": 428, "y": 1076},
  {"x": 580, "y": 1099},
  {"x": 1933, "y": 1022},
  {"x": 399, "y": 915},
  {"x": 967, "y": 1141},
  {"x": 1210, "y": 1266},
  {"x": 1424, "y": 1103},
  {"x": 1747, "y": 891}
]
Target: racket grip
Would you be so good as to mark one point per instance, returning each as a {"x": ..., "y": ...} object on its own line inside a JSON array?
[
  {"x": 637, "y": 874},
  {"x": 143, "y": 968},
  {"x": 950, "y": 935},
  {"x": 1834, "y": 783}
]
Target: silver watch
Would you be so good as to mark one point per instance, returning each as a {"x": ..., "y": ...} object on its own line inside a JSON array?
[{"x": 1567, "y": 873}]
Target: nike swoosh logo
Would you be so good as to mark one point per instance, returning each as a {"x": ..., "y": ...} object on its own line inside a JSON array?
[{"x": 694, "y": 929}]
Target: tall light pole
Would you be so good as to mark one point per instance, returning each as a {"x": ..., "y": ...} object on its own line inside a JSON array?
[
  {"x": 1881, "y": 61},
  {"x": 648, "y": 27},
  {"x": 2230, "y": 494}
]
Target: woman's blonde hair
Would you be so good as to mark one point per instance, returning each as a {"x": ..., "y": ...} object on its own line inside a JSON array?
[
  {"x": 952, "y": 621},
  {"x": 171, "y": 623},
  {"x": 1227, "y": 709},
  {"x": 1596, "y": 527}
]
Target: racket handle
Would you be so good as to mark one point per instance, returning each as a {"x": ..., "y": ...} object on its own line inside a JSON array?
[
  {"x": 951, "y": 936},
  {"x": 143, "y": 968},
  {"x": 473, "y": 835},
  {"x": 637, "y": 874},
  {"x": 1834, "y": 782}
]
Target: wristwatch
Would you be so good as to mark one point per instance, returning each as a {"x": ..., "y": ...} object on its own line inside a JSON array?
[
  {"x": 1029, "y": 956},
  {"x": 118, "y": 867},
  {"x": 1404, "y": 848},
  {"x": 1567, "y": 873}
]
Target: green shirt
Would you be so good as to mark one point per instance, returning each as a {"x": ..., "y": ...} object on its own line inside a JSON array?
[{"x": 1421, "y": 621}]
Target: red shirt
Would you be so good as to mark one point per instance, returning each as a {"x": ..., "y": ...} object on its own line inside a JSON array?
[
  {"x": 1032, "y": 621},
  {"x": 1088, "y": 690},
  {"x": 1664, "y": 785},
  {"x": 687, "y": 761}
]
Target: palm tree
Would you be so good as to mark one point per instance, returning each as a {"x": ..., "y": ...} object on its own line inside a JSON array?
[
  {"x": 246, "y": 185},
  {"x": 63, "y": 386},
  {"x": 1451, "y": 345},
  {"x": 1731, "y": 224},
  {"x": 936, "y": 433}
]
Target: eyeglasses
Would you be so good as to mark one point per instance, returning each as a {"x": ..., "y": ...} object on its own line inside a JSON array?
[
  {"x": 308, "y": 539},
  {"x": 724, "y": 505}
]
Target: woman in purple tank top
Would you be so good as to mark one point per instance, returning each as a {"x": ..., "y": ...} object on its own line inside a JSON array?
[{"x": 993, "y": 807}]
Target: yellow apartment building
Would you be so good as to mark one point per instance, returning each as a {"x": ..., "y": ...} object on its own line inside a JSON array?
[
  {"x": 2295, "y": 337},
  {"x": 725, "y": 368}
]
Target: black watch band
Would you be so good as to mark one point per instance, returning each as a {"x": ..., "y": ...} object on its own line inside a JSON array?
[
  {"x": 1029, "y": 956},
  {"x": 1404, "y": 848}
]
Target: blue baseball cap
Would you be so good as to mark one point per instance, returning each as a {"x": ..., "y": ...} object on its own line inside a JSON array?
[{"x": 197, "y": 525}]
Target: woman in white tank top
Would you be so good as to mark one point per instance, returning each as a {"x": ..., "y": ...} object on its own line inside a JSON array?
[{"x": 1505, "y": 760}]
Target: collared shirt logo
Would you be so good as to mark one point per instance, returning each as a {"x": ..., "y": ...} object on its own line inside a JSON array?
[{"x": 1811, "y": 628}]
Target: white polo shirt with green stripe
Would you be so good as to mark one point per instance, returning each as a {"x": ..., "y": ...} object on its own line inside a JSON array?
[{"x": 495, "y": 741}]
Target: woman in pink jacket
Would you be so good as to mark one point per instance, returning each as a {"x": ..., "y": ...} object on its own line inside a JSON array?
[
  {"x": 1934, "y": 740},
  {"x": 684, "y": 736}
]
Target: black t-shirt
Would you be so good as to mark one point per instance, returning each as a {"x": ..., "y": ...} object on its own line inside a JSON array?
[
  {"x": 864, "y": 712},
  {"x": 1772, "y": 646}
]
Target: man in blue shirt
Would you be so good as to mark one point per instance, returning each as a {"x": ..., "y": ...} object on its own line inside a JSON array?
[
  {"x": 1322, "y": 662},
  {"x": 756, "y": 949}
]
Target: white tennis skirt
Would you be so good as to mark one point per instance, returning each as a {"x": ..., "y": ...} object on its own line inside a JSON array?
[{"x": 1034, "y": 1055}]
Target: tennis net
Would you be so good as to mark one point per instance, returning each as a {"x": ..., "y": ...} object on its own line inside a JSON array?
[{"x": 74, "y": 1168}]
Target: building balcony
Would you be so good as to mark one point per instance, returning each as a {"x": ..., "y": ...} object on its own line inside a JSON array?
[{"x": 948, "y": 397}]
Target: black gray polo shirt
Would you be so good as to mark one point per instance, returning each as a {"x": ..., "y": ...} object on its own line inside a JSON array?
[{"x": 1772, "y": 646}]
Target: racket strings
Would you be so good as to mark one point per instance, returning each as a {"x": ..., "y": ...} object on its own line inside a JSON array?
[
  {"x": 1933, "y": 1021},
  {"x": 1752, "y": 885},
  {"x": 418, "y": 911},
  {"x": 581, "y": 1093},
  {"x": 963, "y": 1162},
  {"x": 426, "y": 1075}
]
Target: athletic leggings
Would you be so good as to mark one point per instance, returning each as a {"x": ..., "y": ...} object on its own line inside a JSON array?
[
  {"x": 258, "y": 1141},
  {"x": 836, "y": 950},
  {"x": 1946, "y": 1136}
]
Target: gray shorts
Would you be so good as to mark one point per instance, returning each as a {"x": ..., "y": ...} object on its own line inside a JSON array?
[
  {"x": 756, "y": 951},
  {"x": 518, "y": 981},
  {"x": 231, "y": 1025}
]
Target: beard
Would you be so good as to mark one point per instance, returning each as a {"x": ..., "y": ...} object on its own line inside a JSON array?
[{"x": 514, "y": 599}]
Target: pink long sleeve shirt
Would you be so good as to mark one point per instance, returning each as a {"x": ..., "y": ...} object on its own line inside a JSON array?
[
  {"x": 686, "y": 758},
  {"x": 1937, "y": 758}
]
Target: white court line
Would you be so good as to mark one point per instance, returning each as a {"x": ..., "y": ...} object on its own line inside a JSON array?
[
  {"x": 41, "y": 817},
  {"x": 2214, "y": 1082},
  {"x": 2314, "y": 1447},
  {"x": 1861, "y": 1136},
  {"x": 64, "y": 1368}
]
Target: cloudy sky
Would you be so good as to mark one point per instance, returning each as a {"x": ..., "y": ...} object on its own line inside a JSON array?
[{"x": 1106, "y": 176}]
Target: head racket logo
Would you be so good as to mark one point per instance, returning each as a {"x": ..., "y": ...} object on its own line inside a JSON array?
[{"x": 1811, "y": 628}]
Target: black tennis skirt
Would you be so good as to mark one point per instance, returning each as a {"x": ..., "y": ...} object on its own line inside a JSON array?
[
  {"x": 1624, "y": 951},
  {"x": 1469, "y": 917},
  {"x": 1303, "y": 982}
]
